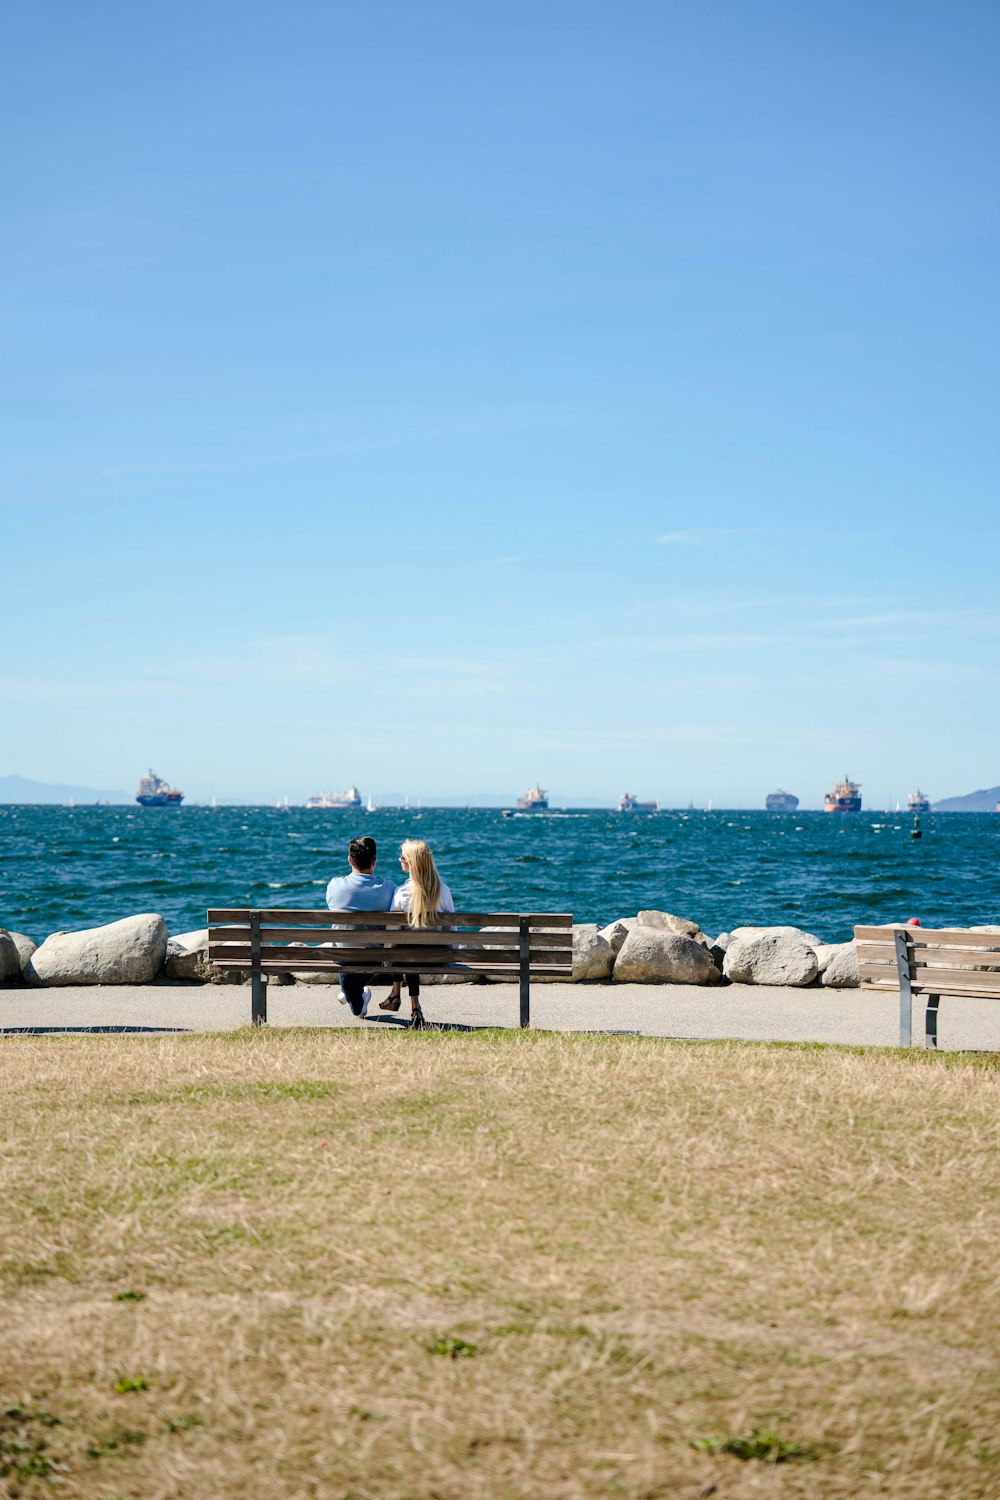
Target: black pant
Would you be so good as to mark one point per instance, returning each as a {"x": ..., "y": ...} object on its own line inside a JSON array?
[
  {"x": 413, "y": 985},
  {"x": 352, "y": 985}
]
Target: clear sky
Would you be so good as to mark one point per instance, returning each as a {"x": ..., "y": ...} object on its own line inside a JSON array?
[{"x": 439, "y": 397}]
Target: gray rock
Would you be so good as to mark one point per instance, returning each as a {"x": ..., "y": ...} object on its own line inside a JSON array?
[
  {"x": 131, "y": 951},
  {"x": 806, "y": 937},
  {"x": 653, "y": 955},
  {"x": 593, "y": 955},
  {"x": 10, "y": 960},
  {"x": 616, "y": 932},
  {"x": 841, "y": 970},
  {"x": 668, "y": 922},
  {"x": 718, "y": 949},
  {"x": 25, "y": 946},
  {"x": 187, "y": 958},
  {"x": 770, "y": 958},
  {"x": 824, "y": 952}
]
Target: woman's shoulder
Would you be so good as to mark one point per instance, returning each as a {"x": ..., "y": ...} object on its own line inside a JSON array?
[
  {"x": 446, "y": 901},
  {"x": 404, "y": 894}
]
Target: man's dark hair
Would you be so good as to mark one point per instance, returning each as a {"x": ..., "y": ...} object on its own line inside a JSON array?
[{"x": 361, "y": 852}]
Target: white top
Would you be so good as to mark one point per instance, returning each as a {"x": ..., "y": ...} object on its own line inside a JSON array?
[{"x": 404, "y": 895}]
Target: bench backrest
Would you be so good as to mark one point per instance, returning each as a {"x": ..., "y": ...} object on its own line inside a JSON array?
[
  {"x": 359, "y": 941},
  {"x": 935, "y": 961}
]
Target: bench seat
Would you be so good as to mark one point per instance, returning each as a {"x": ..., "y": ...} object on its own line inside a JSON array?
[
  {"x": 477, "y": 944},
  {"x": 928, "y": 962}
]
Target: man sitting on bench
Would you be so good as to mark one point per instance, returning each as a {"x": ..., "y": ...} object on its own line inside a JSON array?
[{"x": 362, "y": 890}]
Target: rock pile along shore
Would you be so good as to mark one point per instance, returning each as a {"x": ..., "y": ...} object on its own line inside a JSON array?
[{"x": 653, "y": 947}]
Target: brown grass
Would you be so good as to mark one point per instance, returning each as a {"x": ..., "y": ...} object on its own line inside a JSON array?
[{"x": 355, "y": 1265}]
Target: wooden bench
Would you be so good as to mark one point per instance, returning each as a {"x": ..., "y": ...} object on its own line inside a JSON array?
[
  {"x": 382, "y": 943},
  {"x": 929, "y": 962}
]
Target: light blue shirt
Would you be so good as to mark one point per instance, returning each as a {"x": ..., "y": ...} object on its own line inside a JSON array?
[{"x": 356, "y": 892}]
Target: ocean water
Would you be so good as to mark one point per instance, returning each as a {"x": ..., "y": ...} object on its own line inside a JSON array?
[{"x": 63, "y": 868}]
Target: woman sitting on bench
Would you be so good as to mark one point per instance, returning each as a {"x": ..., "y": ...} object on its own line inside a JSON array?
[{"x": 423, "y": 895}]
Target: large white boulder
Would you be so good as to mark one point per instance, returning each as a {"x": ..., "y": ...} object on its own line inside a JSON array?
[
  {"x": 841, "y": 970},
  {"x": 10, "y": 960},
  {"x": 616, "y": 932},
  {"x": 25, "y": 946},
  {"x": 770, "y": 958},
  {"x": 131, "y": 951},
  {"x": 652, "y": 955}
]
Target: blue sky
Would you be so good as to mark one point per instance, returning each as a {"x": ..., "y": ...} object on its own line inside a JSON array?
[{"x": 440, "y": 397}]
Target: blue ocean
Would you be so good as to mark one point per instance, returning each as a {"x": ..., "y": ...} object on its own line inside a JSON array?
[{"x": 69, "y": 867}]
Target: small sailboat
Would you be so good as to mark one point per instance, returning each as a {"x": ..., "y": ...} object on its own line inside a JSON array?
[{"x": 371, "y": 805}]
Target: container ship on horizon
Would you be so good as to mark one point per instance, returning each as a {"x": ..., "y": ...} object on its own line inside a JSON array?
[
  {"x": 342, "y": 801},
  {"x": 628, "y": 803},
  {"x": 780, "y": 801},
  {"x": 533, "y": 800},
  {"x": 918, "y": 802},
  {"x": 845, "y": 797},
  {"x": 154, "y": 792}
]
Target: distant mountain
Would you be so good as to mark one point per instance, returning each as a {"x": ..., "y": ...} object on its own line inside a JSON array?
[
  {"x": 20, "y": 789},
  {"x": 984, "y": 801}
]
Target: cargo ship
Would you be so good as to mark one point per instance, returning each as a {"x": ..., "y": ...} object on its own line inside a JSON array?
[
  {"x": 342, "y": 801},
  {"x": 154, "y": 792},
  {"x": 780, "y": 801},
  {"x": 533, "y": 800},
  {"x": 845, "y": 797},
  {"x": 628, "y": 803},
  {"x": 918, "y": 802}
]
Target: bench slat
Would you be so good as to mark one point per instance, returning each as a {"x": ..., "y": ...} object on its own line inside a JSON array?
[
  {"x": 363, "y": 965},
  {"x": 557, "y": 941},
  {"x": 922, "y": 937},
  {"x": 876, "y": 952},
  {"x": 292, "y": 917},
  {"x": 432, "y": 944},
  {"x": 416, "y": 958},
  {"x": 927, "y": 981},
  {"x": 986, "y": 981}
]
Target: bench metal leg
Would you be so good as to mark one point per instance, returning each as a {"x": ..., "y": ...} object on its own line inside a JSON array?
[
  {"x": 258, "y": 984},
  {"x": 258, "y": 1000},
  {"x": 905, "y": 995},
  {"x": 931, "y": 1020},
  {"x": 524, "y": 970}
]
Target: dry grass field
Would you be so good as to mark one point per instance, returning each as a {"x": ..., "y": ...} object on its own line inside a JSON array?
[{"x": 366, "y": 1265}]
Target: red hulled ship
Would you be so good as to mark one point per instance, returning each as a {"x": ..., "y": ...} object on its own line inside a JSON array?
[{"x": 845, "y": 797}]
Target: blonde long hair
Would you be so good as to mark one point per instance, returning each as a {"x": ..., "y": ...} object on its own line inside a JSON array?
[{"x": 425, "y": 881}]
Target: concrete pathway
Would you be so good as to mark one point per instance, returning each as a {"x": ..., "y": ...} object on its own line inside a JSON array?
[{"x": 748, "y": 1012}]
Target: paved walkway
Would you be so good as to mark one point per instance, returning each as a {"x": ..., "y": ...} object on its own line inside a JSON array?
[{"x": 749, "y": 1012}]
